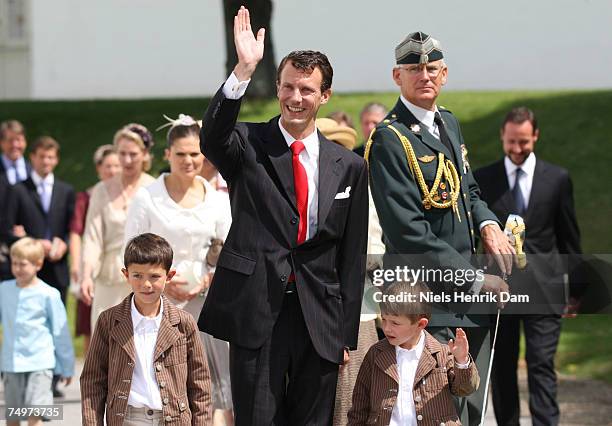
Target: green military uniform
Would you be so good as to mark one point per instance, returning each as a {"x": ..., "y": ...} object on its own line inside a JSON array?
[{"x": 431, "y": 211}]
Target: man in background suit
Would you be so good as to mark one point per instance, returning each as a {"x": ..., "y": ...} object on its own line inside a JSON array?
[
  {"x": 13, "y": 169},
  {"x": 287, "y": 289},
  {"x": 43, "y": 205},
  {"x": 541, "y": 193}
]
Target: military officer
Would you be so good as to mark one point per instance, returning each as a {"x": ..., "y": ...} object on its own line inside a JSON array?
[{"x": 426, "y": 196}]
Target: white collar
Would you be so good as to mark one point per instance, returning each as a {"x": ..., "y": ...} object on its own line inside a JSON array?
[
  {"x": 528, "y": 165},
  {"x": 37, "y": 179},
  {"x": 137, "y": 317},
  {"x": 424, "y": 116},
  {"x": 415, "y": 352},
  {"x": 311, "y": 142},
  {"x": 8, "y": 162}
]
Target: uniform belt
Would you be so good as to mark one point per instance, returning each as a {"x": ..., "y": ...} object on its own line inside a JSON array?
[{"x": 290, "y": 287}]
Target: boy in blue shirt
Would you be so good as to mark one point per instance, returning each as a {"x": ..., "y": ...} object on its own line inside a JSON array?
[{"x": 36, "y": 340}]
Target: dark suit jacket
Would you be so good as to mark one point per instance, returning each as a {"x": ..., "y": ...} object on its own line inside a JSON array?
[
  {"x": 261, "y": 249},
  {"x": 25, "y": 208},
  {"x": 181, "y": 368},
  {"x": 550, "y": 221},
  {"x": 5, "y": 237}
]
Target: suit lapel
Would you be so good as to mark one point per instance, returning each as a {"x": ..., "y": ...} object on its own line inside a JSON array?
[
  {"x": 330, "y": 164},
  {"x": 507, "y": 199},
  {"x": 122, "y": 331},
  {"x": 408, "y": 119},
  {"x": 387, "y": 362},
  {"x": 168, "y": 334},
  {"x": 281, "y": 158},
  {"x": 427, "y": 362},
  {"x": 538, "y": 184},
  {"x": 29, "y": 183}
]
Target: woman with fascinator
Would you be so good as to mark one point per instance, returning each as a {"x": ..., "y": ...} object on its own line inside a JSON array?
[
  {"x": 102, "y": 284},
  {"x": 185, "y": 209}
]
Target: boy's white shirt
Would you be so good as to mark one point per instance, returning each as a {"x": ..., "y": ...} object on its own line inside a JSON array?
[
  {"x": 404, "y": 411},
  {"x": 144, "y": 391}
]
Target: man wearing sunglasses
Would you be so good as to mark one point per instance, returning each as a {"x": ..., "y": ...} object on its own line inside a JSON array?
[{"x": 429, "y": 204}]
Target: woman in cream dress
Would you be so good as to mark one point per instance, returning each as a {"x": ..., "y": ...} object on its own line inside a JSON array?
[
  {"x": 102, "y": 284},
  {"x": 194, "y": 218}
]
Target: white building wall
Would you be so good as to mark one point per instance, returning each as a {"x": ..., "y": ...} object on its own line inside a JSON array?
[
  {"x": 150, "y": 48},
  {"x": 126, "y": 48}
]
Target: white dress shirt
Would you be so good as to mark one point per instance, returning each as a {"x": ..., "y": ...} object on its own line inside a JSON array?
[
  {"x": 404, "y": 411},
  {"x": 15, "y": 171},
  {"x": 188, "y": 230},
  {"x": 46, "y": 182},
  {"x": 309, "y": 157},
  {"x": 526, "y": 181},
  {"x": 144, "y": 391}
]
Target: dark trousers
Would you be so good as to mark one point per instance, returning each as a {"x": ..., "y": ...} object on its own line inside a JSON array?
[
  {"x": 285, "y": 382},
  {"x": 541, "y": 338}
]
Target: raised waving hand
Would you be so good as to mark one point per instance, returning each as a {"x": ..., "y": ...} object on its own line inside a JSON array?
[{"x": 249, "y": 48}]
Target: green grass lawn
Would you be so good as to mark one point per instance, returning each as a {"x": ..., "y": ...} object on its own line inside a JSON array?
[{"x": 573, "y": 135}]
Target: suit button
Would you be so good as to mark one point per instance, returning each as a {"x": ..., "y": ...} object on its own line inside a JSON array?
[
  {"x": 168, "y": 418},
  {"x": 419, "y": 417},
  {"x": 283, "y": 278},
  {"x": 158, "y": 367},
  {"x": 150, "y": 412},
  {"x": 166, "y": 401},
  {"x": 294, "y": 220}
]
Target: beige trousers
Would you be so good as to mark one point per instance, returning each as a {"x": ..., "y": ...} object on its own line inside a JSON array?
[{"x": 143, "y": 417}]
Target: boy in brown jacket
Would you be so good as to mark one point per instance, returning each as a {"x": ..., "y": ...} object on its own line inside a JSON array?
[
  {"x": 146, "y": 363},
  {"x": 409, "y": 378}
]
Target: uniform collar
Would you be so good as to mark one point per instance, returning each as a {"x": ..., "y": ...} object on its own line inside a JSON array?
[
  {"x": 425, "y": 116},
  {"x": 311, "y": 142},
  {"x": 528, "y": 166}
]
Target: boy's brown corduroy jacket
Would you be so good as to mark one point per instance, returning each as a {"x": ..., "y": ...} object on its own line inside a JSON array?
[{"x": 180, "y": 364}]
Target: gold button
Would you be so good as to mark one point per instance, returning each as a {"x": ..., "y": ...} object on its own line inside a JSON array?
[
  {"x": 166, "y": 401},
  {"x": 419, "y": 417},
  {"x": 182, "y": 405},
  {"x": 158, "y": 367},
  {"x": 162, "y": 384},
  {"x": 168, "y": 419}
]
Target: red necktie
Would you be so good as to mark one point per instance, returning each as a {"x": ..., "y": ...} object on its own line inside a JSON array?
[{"x": 301, "y": 189}]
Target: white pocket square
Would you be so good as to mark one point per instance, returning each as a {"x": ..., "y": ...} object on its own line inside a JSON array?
[{"x": 343, "y": 195}]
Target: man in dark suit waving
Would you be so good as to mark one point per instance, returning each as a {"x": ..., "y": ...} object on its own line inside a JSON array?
[
  {"x": 288, "y": 285},
  {"x": 541, "y": 193}
]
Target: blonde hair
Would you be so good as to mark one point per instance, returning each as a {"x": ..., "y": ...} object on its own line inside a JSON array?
[
  {"x": 102, "y": 152},
  {"x": 29, "y": 249},
  {"x": 141, "y": 136}
]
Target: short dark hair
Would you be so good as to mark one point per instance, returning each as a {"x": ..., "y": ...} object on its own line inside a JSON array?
[
  {"x": 45, "y": 143},
  {"x": 412, "y": 310},
  {"x": 307, "y": 61},
  {"x": 148, "y": 249},
  {"x": 519, "y": 115},
  {"x": 181, "y": 131}
]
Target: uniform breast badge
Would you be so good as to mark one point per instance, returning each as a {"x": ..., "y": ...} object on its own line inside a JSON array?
[{"x": 427, "y": 158}]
